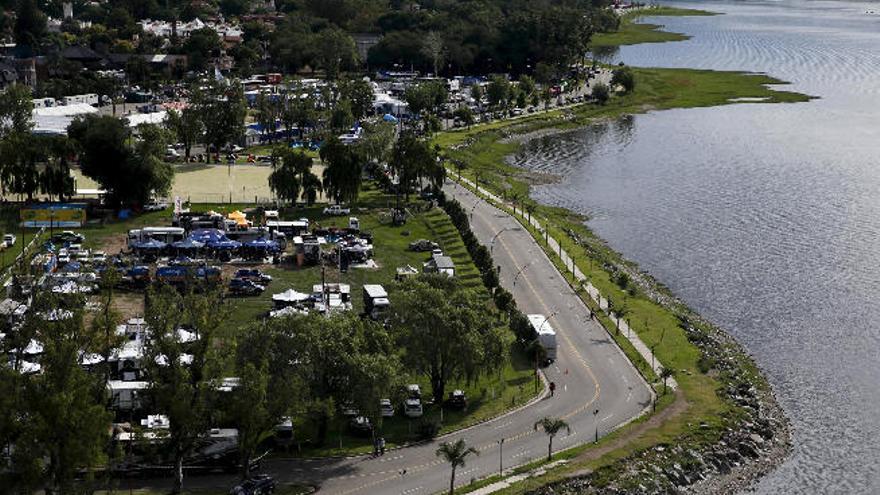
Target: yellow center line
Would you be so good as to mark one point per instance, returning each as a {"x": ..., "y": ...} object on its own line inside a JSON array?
[{"x": 573, "y": 349}]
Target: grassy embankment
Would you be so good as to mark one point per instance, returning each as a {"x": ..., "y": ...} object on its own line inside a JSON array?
[
  {"x": 484, "y": 149},
  {"x": 488, "y": 396},
  {"x": 632, "y": 32}
]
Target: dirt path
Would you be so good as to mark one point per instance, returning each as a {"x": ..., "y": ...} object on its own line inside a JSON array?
[{"x": 679, "y": 406}]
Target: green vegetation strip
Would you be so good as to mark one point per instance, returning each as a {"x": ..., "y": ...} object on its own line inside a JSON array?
[
  {"x": 483, "y": 149},
  {"x": 632, "y": 31}
]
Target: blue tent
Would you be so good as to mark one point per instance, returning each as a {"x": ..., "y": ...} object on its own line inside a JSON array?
[
  {"x": 188, "y": 244},
  {"x": 263, "y": 244},
  {"x": 224, "y": 244},
  {"x": 207, "y": 235},
  {"x": 389, "y": 118},
  {"x": 150, "y": 245}
]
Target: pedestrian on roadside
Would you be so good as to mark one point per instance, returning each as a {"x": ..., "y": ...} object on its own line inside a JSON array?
[
  {"x": 381, "y": 445},
  {"x": 376, "y": 447},
  {"x": 552, "y": 388}
]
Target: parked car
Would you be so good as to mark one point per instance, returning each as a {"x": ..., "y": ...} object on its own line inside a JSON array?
[
  {"x": 254, "y": 275},
  {"x": 360, "y": 426},
  {"x": 336, "y": 210},
  {"x": 245, "y": 287},
  {"x": 385, "y": 408},
  {"x": 423, "y": 245},
  {"x": 260, "y": 484},
  {"x": 9, "y": 240},
  {"x": 413, "y": 391},
  {"x": 68, "y": 237},
  {"x": 412, "y": 408},
  {"x": 156, "y": 206},
  {"x": 99, "y": 257},
  {"x": 457, "y": 400}
]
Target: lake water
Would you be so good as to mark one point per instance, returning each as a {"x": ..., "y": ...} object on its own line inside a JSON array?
[{"x": 765, "y": 218}]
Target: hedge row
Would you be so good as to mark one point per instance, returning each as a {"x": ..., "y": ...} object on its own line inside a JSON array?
[{"x": 504, "y": 301}]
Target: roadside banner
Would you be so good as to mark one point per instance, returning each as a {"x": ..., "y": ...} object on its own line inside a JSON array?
[{"x": 53, "y": 215}]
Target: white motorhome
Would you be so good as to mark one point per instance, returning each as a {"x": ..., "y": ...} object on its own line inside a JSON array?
[
  {"x": 375, "y": 300},
  {"x": 546, "y": 334},
  {"x": 167, "y": 235}
]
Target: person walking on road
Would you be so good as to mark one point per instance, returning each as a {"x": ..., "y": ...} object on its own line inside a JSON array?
[
  {"x": 381, "y": 445},
  {"x": 552, "y": 388}
]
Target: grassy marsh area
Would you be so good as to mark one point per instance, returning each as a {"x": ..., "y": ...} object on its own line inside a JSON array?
[
  {"x": 632, "y": 32},
  {"x": 700, "y": 415}
]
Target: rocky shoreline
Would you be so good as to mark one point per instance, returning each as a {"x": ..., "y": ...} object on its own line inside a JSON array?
[{"x": 749, "y": 444}]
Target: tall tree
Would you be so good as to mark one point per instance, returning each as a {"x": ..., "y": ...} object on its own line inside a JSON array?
[
  {"x": 551, "y": 426},
  {"x": 182, "y": 376},
  {"x": 445, "y": 331},
  {"x": 359, "y": 94},
  {"x": 222, "y": 110},
  {"x": 30, "y": 27},
  {"x": 66, "y": 426},
  {"x": 413, "y": 161},
  {"x": 456, "y": 454},
  {"x": 290, "y": 178},
  {"x": 343, "y": 172},
  {"x": 336, "y": 51},
  {"x": 187, "y": 128}
]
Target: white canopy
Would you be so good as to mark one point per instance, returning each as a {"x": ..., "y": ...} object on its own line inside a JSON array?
[{"x": 290, "y": 296}]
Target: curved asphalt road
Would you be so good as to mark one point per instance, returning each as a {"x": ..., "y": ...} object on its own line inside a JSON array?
[{"x": 591, "y": 373}]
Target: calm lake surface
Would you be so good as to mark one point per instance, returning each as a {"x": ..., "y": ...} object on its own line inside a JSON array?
[{"x": 765, "y": 218}]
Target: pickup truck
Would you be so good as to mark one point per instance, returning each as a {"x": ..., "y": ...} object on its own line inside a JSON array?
[{"x": 336, "y": 210}]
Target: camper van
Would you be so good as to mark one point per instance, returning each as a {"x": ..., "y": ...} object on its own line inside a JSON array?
[
  {"x": 167, "y": 235},
  {"x": 546, "y": 335},
  {"x": 375, "y": 301}
]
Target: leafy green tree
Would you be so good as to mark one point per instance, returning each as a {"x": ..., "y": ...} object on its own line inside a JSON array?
[
  {"x": 359, "y": 94},
  {"x": 498, "y": 91},
  {"x": 293, "y": 175},
  {"x": 456, "y": 454},
  {"x": 527, "y": 85},
  {"x": 343, "y": 172},
  {"x": 200, "y": 47},
  {"x": 128, "y": 175},
  {"x": 341, "y": 117},
  {"x": 30, "y": 27},
  {"x": 187, "y": 128},
  {"x": 477, "y": 94},
  {"x": 600, "y": 93},
  {"x": 222, "y": 111},
  {"x": 624, "y": 77},
  {"x": 552, "y": 426},
  {"x": 55, "y": 179},
  {"x": 267, "y": 391},
  {"x": 299, "y": 112},
  {"x": 335, "y": 51},
  {"x": 414, "y": 160},
  {"x": 182, "y": 376},
  {"x": 432, "y": 47},
  {"x": 336, "y": 358},
  {"x": 66, "y": 425},
  {"x": 465, "y": 115},
  {"x": 377, "y": 141},
  {"x": 445, "y": 331}
]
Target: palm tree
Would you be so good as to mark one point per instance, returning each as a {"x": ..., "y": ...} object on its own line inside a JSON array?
[
  {"x": 621, "y": 314},
  {"x": 665, "y": 374},
  {"x": 459, "y": 166},
  {"x": 455, "y": 454},
  {"x": 551, "y": 427}
]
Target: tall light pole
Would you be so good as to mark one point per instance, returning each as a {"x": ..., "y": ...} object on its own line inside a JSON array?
[
  {"x": 520, "y": 272},
  {"x": 500, "y": 457},
  {"x": 492, "y": 242},
  {"x": 596, "y": 422}
]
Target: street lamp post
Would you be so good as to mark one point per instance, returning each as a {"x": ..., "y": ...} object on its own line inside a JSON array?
[
  {"x": 596, "y": 422},
  {"x": 492, "y": 242},
  {"x": 520, "y": 272},
  {"x": 500, "y": 457}
]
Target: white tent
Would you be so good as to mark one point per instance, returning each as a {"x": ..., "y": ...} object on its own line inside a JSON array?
[
  {"x": 54, "y": 120},
  {"x": 290, "y": 296}
]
